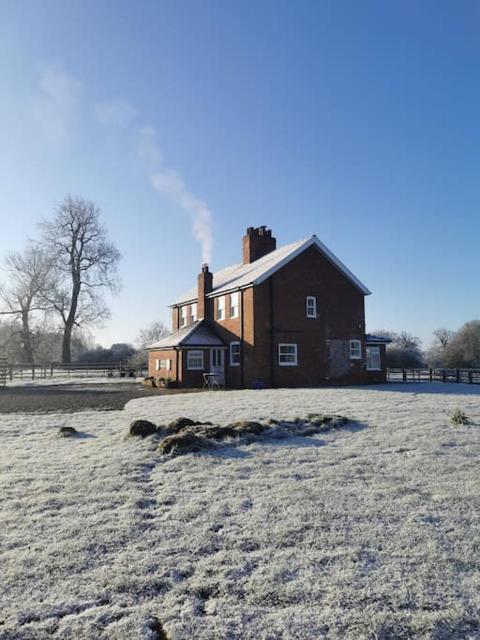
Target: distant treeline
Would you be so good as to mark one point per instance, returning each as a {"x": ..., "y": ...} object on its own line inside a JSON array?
[{"x": 450, "y": 349}]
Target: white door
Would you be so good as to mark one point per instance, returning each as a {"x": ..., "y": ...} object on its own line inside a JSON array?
[{"x": 217, "y": 364}]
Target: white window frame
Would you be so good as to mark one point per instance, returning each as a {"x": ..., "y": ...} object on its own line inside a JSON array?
[
  {"x": 232, "y": 354},
  {"x": 311, "y": 309},
  {"x": 368, "y": 357},
  {"x": 355, "y": 349},
  {"x": 166, "y": 364},
  {"x": 221, "y": 308},
  {"x": 280, "y": 355},
  {"x": 183, "y": 317},
  {"x": 234, "y": 305},
  {"x": 157, "y": 364},
  {"x": 193, "y": 355},
  {"x": 193, "y": 312}
]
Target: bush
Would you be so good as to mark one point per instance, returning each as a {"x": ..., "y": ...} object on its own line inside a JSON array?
[{"x": 459, "y": 417}]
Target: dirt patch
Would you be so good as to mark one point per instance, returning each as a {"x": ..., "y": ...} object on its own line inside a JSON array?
[{"x": 71, "y": 398}]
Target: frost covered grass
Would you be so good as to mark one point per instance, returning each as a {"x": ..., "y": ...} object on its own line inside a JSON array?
[{"x": 366, "y": 532}]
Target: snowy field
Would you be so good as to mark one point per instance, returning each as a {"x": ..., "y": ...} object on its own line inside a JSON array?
[{"x": 370, "y": 532}]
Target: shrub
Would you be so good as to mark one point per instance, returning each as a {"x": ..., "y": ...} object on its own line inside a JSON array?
[{"x": 459, "y": 417}]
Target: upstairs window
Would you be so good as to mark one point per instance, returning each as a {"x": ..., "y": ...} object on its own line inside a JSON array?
[
  {"x": 355, "y": 349},
  {"x": 373, "y": 358},
  {"x": 287, "y": 355},
  {"x": 234, "y": 354},
  {"x": 194, "y": 360},
  {"x": 234, "y": 305},
  {"x": 183, "y": 316},
  {"x": 311, "y": 306},
  {"x": 221, "y": 308},
  {"x": 193, "y": 312}
]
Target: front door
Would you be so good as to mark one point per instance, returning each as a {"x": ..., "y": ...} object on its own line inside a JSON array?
[{"x": 217, "y": 364}]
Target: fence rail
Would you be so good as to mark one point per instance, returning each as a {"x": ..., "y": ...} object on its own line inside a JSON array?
[
  {"x": 11, "y": 371},
  {"x": 469, "y": 376}
]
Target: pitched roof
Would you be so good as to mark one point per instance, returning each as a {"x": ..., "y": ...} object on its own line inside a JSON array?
[
  {"x": 197, "y": 334},
  {"x": 239, "y": 276}
]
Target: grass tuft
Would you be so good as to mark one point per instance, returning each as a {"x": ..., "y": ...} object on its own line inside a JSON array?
[{"x": 459, "y": 417}]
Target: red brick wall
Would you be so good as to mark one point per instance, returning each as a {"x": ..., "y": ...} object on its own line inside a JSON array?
[
  {"x": 230, "y": 330},
  {"x": 341, "y": 316},
  {"x": 153, "y": 356},
  {"x": 194, "y": 378}
]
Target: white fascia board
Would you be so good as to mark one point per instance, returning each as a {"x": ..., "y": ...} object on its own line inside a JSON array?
[{"x": 327, "y": 253}]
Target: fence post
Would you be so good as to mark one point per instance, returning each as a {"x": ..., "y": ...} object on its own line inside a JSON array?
[
  {"x": 404, "y": 375},
  {"x": 470, "y": 377},
  {"x": 430, "y": 372},
  {"x": 457, "y": 375}
]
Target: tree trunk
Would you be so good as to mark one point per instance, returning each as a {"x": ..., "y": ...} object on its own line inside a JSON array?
[
  {"x": 66, "y": 345},
  {"x": 70, "y": 322},
  {"x": 27, "y": 339}
]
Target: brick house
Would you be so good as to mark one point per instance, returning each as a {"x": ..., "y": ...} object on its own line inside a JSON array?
[{"x": 292, "y": 316}]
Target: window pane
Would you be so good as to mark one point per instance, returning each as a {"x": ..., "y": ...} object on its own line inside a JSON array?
[
  {"x": 287, "y": 354},
  {"x": 355, "y": 349},
  {"x": 195, "y": 359},
  {"x": 234, "y": 353}
]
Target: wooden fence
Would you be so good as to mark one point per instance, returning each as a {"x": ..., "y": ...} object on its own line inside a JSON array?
[
  {"x": 11, "y": 371},
  {"x": 469, "y": 376},
  {"x": 3, "y": 371}
]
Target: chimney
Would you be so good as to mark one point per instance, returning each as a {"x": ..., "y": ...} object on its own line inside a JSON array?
[
  {"x": 257, "y": 243},
  {"x": 205, "y": 285}
]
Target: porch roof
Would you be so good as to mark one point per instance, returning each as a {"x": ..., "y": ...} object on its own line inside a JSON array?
[
  {"x": 197, "y": 334},
  {"x": 370, "y": 339}
]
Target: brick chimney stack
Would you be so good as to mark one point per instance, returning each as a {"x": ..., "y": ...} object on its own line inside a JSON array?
[
  {"x": 205, "y": 285},
  {"x": 257, "y": 243}
]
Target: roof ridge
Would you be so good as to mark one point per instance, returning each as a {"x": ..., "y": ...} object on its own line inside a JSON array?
[{"x": 239, "y": 276}]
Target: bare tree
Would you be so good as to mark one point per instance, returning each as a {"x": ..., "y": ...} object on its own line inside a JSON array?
[
  {"x": 403, "y": 350},
  {"x": 28, "y": 276},
  {"x": 405, "y": 340},
  {"x": 154, "y": 332},
  {"x": 443, "y": 337},
  {"x": 85, "y": 264},
  {"x": 145, "y": 338}
]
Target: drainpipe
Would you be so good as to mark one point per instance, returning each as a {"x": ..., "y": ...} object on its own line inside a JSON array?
[
  {"x": 176, "y": 364},
  {"x": 241, "y": 340},
  {"x": 272, "y": 341}
]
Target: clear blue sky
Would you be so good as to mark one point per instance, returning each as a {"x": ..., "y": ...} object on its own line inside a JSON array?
[{"x": 357, "y": 121}]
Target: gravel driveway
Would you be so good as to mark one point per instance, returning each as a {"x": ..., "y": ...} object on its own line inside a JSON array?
[{"x": 73, "y": 397}]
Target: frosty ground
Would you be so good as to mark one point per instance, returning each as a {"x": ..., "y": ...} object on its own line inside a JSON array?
[{"x": 367, "y": 532}]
